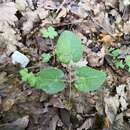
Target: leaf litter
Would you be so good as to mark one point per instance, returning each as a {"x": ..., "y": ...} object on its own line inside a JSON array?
[{"x": 100, "y": 25}]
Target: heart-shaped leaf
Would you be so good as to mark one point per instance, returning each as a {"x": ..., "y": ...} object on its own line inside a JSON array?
[
  {"x": 89, "y": 79},
  {"x": 50, "y": 80},
  {"x": 68, "y": 48}
]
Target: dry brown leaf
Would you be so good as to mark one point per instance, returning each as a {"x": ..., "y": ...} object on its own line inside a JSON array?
[
  {"x": 106, "y": 39},
  {"x": 7, "y": 104},
  {"x": 106, "y": 123},
  {"x": 95, "y": 59}
]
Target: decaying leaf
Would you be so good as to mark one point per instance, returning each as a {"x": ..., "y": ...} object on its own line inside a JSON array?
[
  {"x": 33, "y": 17},
  {"x": 7, "y": 13},
  {"x": 7, "y": 104},
  {"x": 87, "y": 124},
  {"x": 9, "y": 38},
  {"x": 111, "y": 107},
  {"x": 3, "y": 77},
  {"x": 19, "y": 124},
  {"x": 106, "y": 39},
  {"x": 95, "y": 59}
]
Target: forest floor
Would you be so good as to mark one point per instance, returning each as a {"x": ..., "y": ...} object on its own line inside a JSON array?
[{"x": 104, "y": 29}]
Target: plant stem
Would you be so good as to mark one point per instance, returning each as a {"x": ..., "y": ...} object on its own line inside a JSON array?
[
  {"x": 70, "y": 80},
  {"x": 53, "y": 52}
]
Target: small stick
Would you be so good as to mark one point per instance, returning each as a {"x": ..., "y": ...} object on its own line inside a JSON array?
[{"x": 63, "y": 2}]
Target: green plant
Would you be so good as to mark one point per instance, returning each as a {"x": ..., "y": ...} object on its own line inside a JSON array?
[
  {"x": 46, "y": 57},
  {"x": 49, "y": 32},
  {"x": 52, "y": 80},
  {"x": 120, "y": 63},
  {"x": 68, "y": 48}
]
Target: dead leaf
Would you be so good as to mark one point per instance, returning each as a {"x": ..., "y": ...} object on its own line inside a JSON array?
[
  {"x": 111, "y": 107},
  {"x": 88, "y": 123},
  {"x": 19, "y": 124},
  {"x": 21, "y": 5},
  {"x": 106, "y": 39},
  {"x": 95, "y": 59},
  {"x": 3, "y": 77},
  {"x": 4, "y": 59},
  {"x": 7, "y": 13},
  {"x": 48, "y": 4},
  {"x": 106, "y": 123},
  {"x": 61, "y": 14},
  {"x": 9, "y": 38},
  {"x": 111, "y": 3},
  {"x": 33, "y": 17},
  {"x": 7, "y": 104}
]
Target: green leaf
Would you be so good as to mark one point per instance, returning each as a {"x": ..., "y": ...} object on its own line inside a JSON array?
[
  {"x": 31, "y": 79},
  {"x": 49, "y": 33},
  {"x": 120, "y": 64},
  {"x": 46, "y": 57},
  {"x": 89, "y": 79},
  {"x": 24, "y": 74},
  {"x": 68, "y": 48},
  {"x": 28, "y": 77},
  {"x": 116, "y": 53},
  {"x": 50, "y": 80}
]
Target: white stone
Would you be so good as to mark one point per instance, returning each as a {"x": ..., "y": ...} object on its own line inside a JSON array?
[{"x": 18, "y": 57}]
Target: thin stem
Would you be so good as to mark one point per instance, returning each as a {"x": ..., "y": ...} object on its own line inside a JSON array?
[
  {"x": 70, "y": 81},
  {"x": 53, "y": 52}
]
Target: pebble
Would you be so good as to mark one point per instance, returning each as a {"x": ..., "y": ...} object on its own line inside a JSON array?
[{"x": 18, "y": 57}]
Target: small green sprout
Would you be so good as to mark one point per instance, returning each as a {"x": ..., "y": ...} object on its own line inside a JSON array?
[
  {"x": 49, "y": 32},
  {"x": 28, "y": 77},
  {"x": 116, "y": 53},
  {"x": 120, "y": 64}
]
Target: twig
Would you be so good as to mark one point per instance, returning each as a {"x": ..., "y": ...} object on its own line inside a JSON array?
[{"x": 63, "y": 2}]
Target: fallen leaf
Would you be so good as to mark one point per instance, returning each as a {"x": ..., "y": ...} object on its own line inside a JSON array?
[
  {"x": 61, "y": 14},
  {"x": 3, "y": 77},
  {"x": 106, "y": 39},
  {"x": 19, "y": 124},
  {"x": 88, "y": 123},
  {"x": 7, "y": 13},
  {"x": 111, "y": 107},
  {"x": 106, "y": 123},
  {"x": 95, "y": 59},
  {"x": 21, "y": 5},
  {"x": 33, "y": 17},
  {"x": 7, "y": 104},
  {"x": 9, "y": 38}
]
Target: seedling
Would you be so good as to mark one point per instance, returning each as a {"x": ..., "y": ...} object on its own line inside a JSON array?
[
  {"x": 120, "y": 63},
  {"x": 49, "y": 32},
  {"x": 52, "y": 80}
]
